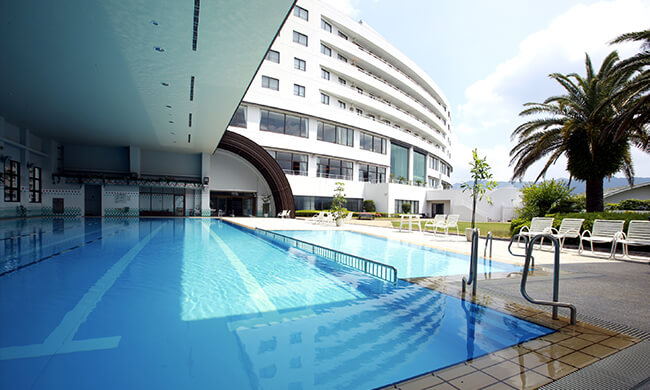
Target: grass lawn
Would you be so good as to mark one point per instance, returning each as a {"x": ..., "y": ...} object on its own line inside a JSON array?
[{"x": 498, "y": 229}]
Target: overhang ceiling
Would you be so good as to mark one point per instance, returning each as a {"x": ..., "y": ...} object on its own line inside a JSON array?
[{"x": 94, "y": 72}]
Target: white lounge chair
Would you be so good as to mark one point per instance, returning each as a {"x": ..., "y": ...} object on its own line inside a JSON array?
[
  {"x": 348, "y": 217},
  {"x": 603, "y": 231},
  {"x": 538, "y": 225},
  {"x": 317, "y": 218},
  {"x": 285, "y": 214},
  {"x": 569, "y": 228},
  {"x": 451, "y": 222},
  {"x": 328, "y": 217},
  {"x": 638, "y": 233},
  {"x": 436, "y": 222}
]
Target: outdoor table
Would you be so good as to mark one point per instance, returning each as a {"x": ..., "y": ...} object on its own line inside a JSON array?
[{"x": 410, "y": 220}]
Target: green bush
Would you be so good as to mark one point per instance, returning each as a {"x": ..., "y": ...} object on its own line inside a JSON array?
[
  {"x": 630, "y": 204},
  {"x": 369, "y": 205},
  {"x": 306, "y": 213},
  {"x": 589, "y": 218},
  {"x": 545, "y": 197},
  {"x": 406, "y": 208}
]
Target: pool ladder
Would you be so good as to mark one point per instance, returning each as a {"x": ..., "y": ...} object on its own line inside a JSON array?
[
  {"x": 473, "y": 263},
  {"x": 556, "y": 273}
]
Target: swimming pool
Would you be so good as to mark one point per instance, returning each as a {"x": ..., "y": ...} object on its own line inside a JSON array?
[
  {"x": 191, "y": 303},
  {"x": 411, "y": 260}
]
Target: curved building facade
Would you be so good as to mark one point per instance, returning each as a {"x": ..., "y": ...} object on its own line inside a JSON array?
[{"x": 334, "y": 101}]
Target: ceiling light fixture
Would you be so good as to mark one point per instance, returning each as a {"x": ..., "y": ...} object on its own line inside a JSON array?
[
  {"x": 164, "y": 84},
  {"x": 154, "y": 22},
  {"x": 159, "y": 49},
  {"x": 171, "y": 121},
  {"x": 168, "y": 106}
]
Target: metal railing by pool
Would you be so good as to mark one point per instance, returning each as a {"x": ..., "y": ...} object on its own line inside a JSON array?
[{"x": 370, "y": 267}]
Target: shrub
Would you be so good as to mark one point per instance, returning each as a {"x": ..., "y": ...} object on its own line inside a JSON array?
[
  {"x": 369, "y": 205},
  {"x": 306, "y": 213},
  {"x": 630, "y": 204},
  {"x": 588, "y": 223},
  {"x": 406, "y": 208},
  {"x": 545, "y": 197}
]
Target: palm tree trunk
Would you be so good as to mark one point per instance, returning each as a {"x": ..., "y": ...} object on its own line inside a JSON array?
[{"x": 594, "y": 194}]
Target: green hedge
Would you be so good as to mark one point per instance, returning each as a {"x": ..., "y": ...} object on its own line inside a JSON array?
[
  {"x": 630, "y": 204},
  {"x": 589, "y": 218},
  {"x": 310, "y": 213}
]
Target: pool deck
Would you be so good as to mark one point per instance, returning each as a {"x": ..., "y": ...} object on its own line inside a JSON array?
[{"x": 611, "y": 296}]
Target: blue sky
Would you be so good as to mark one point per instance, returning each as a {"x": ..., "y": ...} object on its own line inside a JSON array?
[{"x": 490, "y": 57}]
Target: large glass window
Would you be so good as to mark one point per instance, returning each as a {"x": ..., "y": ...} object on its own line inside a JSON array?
[
  {"x": 415, "y": 205},
  {"x": 299, "y": 38},
  {"x": 399, "y": 162},
  {"x": 372, "y": 173},
  {"x": 299, "y": 64},
  {"x": 325, "y": 203},
  {"x": 35, "y": 185},
  {"x": 239, "y": 119},
  {"x": 325, "y": 99},
  {"x": 335, "y": 134},
  {"x": 373, "y": 143},
  {"x": 291, "y": 163},
  {"x": 273, "y": 56},
  {"x": 419, "y": 168},
  {"x": 278, "y": 122},
  {"x": 301, "y": 12},
  {"x": 324, "y": 74},
  {"x": 12, "y": 181},
  {"x": 334, "y": 169},
  {"x": 270, "y": 83},
  {"x": 433, "y": 182}
]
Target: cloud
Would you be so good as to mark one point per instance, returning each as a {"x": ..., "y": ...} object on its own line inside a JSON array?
[
  {"x": 348, "y": 7},
  {"x": 490, "y": 111}
]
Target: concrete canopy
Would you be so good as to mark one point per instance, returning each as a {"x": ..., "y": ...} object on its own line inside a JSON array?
[{"x": 118, "y": 72}]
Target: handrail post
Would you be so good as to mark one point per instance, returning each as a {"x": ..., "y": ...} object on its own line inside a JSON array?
[
  {"x": 473, "y": 263},
  {"x": 488, "y": 239}
]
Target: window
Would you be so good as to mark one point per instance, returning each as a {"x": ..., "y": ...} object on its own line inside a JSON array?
[
  {"x": 291, "y": 163},
  {"x": 335, "y": 134},
  {"x": 324, "y": 74},
  {"x": 433, "y": 182},
  {"x": 341, "y": 104},
  {"x": 34, "y": 185},
  {"x": 324, "y": 98},
  {"x": 415, "y": 206},
  {"x": 372, "y": 174},
  {"x": 301, "y": 12},
  {"x": 360, "y": 90},
  {"x": 325, "y": 26},
  {"x": 300, "y": 38},
  {"x": 299, "y": 64},
  {"x": 343, "y": 36},
  {"x": 342, "y": 81},
  {"x": 419, "y": 168},
  {"x": 341, "y": 58},
  {"x": 239, "y": 119},
  {"x": 334, "y": 169},
  {"x": 278, "y": 122},
  {"x": 273, "y": 56},
  {"x": 299, "y": 90},
  {"x": 359, "y": 111},
  {"x": 12, "y": 181},
  {"x": 399, "y": 162},
  {"x": 325, "y": 203},
  {"x": 270, "y": 83},
  {"x": 386, "y": 122},
  {"x": 325, "y": 50},
  {"x": 373, "y": 143},
  {"x": 434, "y": 163}
]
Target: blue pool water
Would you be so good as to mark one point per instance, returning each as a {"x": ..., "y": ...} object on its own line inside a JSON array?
[
  {"x": 191, "y": 303},
  {"x": 410, "y": 260}
]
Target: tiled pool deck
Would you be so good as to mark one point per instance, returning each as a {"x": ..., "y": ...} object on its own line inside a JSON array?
[{"x": 529, "y": 365}]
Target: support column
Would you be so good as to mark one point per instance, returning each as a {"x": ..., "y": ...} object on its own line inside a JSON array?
[
  {"x": 134, "y": 160},
  {"x": 206, "y": 159}
]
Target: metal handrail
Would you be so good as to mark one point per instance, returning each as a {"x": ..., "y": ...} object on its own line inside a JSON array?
[
  {"x": 488, "y": 239},
  {"x": 526, "y": 240},
  {"x": 370, "y": 267},
  {"x": 556, "y": 278},
  {"x": 473, "y": 263}
]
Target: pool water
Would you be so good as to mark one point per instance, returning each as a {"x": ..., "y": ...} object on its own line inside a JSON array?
[
  {"x": 410, "y": 260},
  {"x": 192, "y": 303}
]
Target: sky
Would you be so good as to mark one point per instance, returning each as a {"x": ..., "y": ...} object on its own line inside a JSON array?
[{"x": 491, "y": 57}]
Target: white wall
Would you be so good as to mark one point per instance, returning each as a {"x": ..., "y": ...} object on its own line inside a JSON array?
[
  {"x": 159, "y": 163},
  {"x": 504, "y": 201},
  {"x": 116, "y": 198},
  {"x": 641, "y": 192}
]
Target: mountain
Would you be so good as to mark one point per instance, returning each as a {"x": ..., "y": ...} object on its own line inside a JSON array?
[{"x": 578, "y": 186}]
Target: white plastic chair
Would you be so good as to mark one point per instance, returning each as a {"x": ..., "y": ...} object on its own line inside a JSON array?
[
  {"x": 435, "y": 223},
  {"x": 638, "y": 233},
  {"x": 538, "y": 225},
  {"x": 569, "y": 228},
  {"x": 603, "y": 231},
  {"x": 451, "y": 222}
]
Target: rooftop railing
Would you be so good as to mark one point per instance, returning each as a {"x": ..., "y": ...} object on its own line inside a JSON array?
[{"x": 381, "y": 271}]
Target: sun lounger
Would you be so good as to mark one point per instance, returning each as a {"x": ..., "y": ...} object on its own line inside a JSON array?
[
  {"x": 436, "y": 222},
  {"x": 603, "y": 231},
  {"x": 538, "y": 225},
  {"x": 569, "y": 228},
  {"x": 317, "y": 218},
  {"x": 638, "y": 233}
]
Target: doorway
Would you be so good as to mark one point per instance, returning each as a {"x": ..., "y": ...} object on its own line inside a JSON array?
[
  {"x": 93, "y": 200},
  {"x": 437, "y": 208},
  {"x": 239, "y": 204}
]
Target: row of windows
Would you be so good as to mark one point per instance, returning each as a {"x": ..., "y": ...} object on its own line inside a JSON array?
[
  {"x": 414, "y": 206},
  {"x": 373, "y": 143},
  {"x": 12, "y": 183},
  {"x": 438, "y": 165},
  {"x": 278, "y": 122},
  {"x": 335, "y": 134},
  {"x": 291, "y": 163},
  {"x": 334, "y": 169}
]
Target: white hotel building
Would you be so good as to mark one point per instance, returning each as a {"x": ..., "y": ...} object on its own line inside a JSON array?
[{"x": 334, "y": 101}]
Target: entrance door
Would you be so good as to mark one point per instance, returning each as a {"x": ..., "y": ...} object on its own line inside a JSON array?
[
  {"x": 233, "y": 203},
  {"x": 437, "y": 208},
  {"x": 179, "y": 205},
  {"x": 93, "y": 200}
]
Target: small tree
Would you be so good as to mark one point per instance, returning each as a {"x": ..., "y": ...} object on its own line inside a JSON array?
[
  {"x": 546, "y": 197},
  {"x": 483, "y": 182},
  {"x": 369, "y": 205},
  {"x": 338, "y": 202},
  {"x": 406, "y": 208}
]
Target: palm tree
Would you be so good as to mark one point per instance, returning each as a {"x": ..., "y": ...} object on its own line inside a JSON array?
[
  {"x": 577, "y": 125},
  {"x": 634, "y": 118}
]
